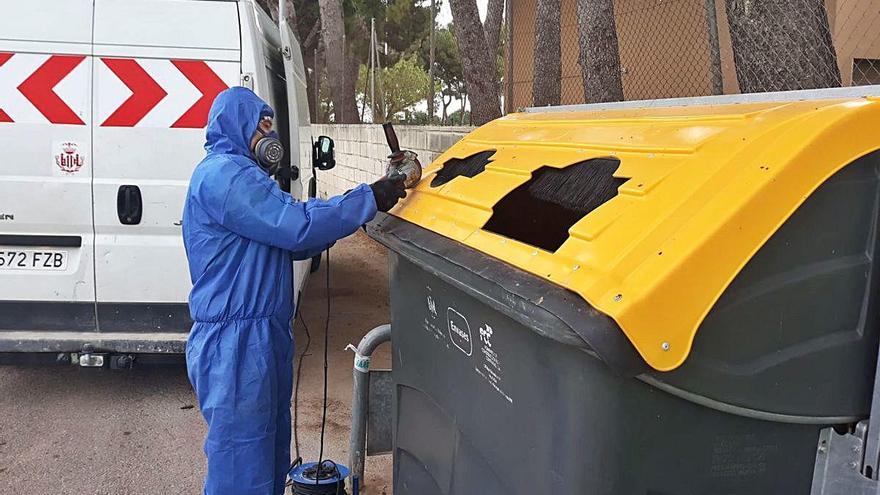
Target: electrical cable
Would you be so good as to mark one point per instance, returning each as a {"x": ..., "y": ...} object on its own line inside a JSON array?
[
  {"x": 326, "y": 345},
  {"x": 323, "y": 470},
  {"x": 328, "y": 471}
]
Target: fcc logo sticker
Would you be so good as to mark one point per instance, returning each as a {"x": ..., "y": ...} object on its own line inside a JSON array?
[{"x": 460, "y": 331}]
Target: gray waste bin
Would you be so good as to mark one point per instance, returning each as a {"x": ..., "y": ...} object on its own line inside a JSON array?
[{"x": 507, "y": 384}]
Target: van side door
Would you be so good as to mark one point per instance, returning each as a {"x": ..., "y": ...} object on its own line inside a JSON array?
[
  {"x": 298, "y": 110},
  {"x": 158, "y": 66},
  {"x": 300, "y": 130},
  {"x": 263, "y": 57}
]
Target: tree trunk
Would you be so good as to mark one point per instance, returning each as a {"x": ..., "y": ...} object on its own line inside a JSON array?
[
  {"x": 782, "y": 45},
  {"x": 350, "y": 87},
  {"x": 599, "y": 56},
  {"x": 492, "y": 25},
  {"x": 309, "y": 45},
  {"x": 546, "y": 85},
  {"x": 477, "y": 64},
  {"x": 341, "y": 91}
]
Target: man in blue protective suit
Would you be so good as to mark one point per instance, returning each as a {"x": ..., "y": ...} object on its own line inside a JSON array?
[{"x": 241, "y": 233}]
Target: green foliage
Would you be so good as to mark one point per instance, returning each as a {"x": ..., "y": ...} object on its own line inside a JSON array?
[
  {"x": 402, "y": 24},
  {"x": 405, "y": 26},
  {"x": 447, "y": 63},
  {"x": 408, "y": 23},
  {"x": 398, "y": 89},
  {"x": 448, "y": 69},
  {"x": 459, "y": 118},
  {"x": 307, "y": 15},
  {"x": 448, "y": 72},
  {"x": 415, "y": 118}
]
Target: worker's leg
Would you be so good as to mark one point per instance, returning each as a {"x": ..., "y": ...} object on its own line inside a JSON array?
[
  {"x": 285, "y": 352},
  {"x": 231, "y": 367}
]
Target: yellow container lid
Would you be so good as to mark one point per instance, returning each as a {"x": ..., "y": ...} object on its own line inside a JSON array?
[{"x": 705, "y": 187}]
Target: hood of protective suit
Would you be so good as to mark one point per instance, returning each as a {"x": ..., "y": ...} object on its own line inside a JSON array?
[{"x": 233, "y": 121}]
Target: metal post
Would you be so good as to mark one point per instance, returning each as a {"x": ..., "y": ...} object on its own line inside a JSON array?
[
  {"x": 379, "y": 68},
  {"x": 431, "y": 66},
  {"x": 847, "y": 464},
  {"x": 373, "y": 70},
  {"x": 714, "y": 49},
  {"x": 317, "y": 90},
  {"x": 361, "y": 397},
  {"x": 340, "y": 117},
  {"x": 508, "y": 97},
  {"x": 872, "y": 440}
]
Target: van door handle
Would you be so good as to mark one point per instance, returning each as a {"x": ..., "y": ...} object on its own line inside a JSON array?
[{"x": 129, "y": 205}]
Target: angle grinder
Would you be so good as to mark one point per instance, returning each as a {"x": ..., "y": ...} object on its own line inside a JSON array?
[{"x": 401, "y": 162}]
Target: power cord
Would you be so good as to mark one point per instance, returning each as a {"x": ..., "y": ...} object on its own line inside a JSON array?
[
  {"x": 321, "y": 472},
  {"x": 305, "y": 352},
  {"x": 324, "y": 469},
  {"x": 326, "y": 346}
]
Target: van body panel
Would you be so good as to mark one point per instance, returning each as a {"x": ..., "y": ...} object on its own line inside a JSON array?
[
  {"x": 60, "y": 21},
  {"x": 141, "y": 270},
  {"x": 271, "y": 77},
  {"x": 45, "y": 191},
  {"x": 122, "y": 106},
  {"x": 299, "y": 127},
  {"x": 167, "y": 23}
]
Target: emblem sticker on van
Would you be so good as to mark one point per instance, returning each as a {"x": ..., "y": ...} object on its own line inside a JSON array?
[{"x": 69, "y": 158}]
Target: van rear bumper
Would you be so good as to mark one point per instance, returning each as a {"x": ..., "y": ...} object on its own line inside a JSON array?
[{"x": 116, "y": 342}]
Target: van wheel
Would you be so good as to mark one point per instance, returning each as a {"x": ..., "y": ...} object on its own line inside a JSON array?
[{"x": 316, "y": 264}]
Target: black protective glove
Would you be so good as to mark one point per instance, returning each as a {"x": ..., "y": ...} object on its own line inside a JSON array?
[{"x": 388, "y": 192}]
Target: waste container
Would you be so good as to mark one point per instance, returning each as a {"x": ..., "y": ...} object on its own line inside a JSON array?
[{"x": 668, "y": 300}]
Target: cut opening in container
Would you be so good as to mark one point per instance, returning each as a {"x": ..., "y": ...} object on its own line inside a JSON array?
[
  {"x": 540, "y": 211},
  {"x": 469, "y": 166}
]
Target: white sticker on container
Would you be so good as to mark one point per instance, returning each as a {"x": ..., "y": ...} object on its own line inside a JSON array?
[
  {"x": 459, "y": 331},
  {"x": 362, "y": 363}
]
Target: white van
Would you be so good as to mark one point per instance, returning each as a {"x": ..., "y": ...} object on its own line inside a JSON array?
[{"x": 103, "y": 105}]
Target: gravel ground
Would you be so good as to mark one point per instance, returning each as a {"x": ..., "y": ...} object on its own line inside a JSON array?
[{"x": 66, "y": 430}]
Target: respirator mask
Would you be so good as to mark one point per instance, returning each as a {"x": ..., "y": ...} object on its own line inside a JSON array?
[{"x": 269, "y": 151}]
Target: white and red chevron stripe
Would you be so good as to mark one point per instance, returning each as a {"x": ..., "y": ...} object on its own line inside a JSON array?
[
  {"x": 41, "y": 88},
  {"x": 38, "y": 88},
  {"x": 158, "y": 92}
]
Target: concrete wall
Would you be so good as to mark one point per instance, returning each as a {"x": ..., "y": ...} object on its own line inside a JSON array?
[{"x": 361, "y": 151}]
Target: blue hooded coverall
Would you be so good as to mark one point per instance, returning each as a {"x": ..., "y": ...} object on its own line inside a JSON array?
[{"x": 241, "y": 233}]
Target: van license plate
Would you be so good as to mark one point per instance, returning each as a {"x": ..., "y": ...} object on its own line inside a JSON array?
[{"x": 32, "y": 259}]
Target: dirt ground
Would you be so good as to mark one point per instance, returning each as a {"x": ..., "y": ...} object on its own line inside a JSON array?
[{"x": 66, "y": 430}]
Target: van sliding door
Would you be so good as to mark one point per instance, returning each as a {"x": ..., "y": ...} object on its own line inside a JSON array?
[{"x": 158, "y": 67}]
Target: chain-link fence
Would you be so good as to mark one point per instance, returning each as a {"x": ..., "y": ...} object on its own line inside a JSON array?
[{"x": 679, "y": 48}]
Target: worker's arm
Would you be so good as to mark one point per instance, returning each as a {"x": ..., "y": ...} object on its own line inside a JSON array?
[{"x": 254, "y": 207}]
